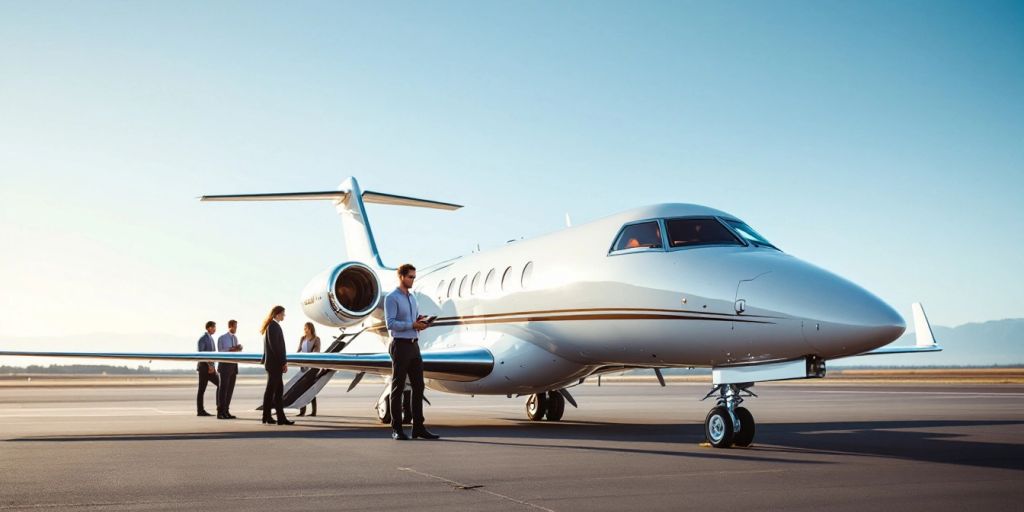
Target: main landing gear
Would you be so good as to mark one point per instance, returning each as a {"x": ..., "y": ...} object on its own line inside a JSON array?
[
  {"x": 549, "y": 406},
  {"x": 383, "y": 408},
  {"x": 383, "y": 405},
  {"x": 728, "y": 424}
]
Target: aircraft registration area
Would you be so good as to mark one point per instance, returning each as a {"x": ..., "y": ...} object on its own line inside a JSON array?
[{"x": 662, "y": 286}]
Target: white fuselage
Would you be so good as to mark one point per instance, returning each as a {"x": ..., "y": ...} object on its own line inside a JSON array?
[{"x": 557, "y": 308}]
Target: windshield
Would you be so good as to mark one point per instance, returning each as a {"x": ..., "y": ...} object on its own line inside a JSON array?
[
  {"x": 704, "y": 231},
  {"x": 645, "y": 235},
  {"x": 749, "y": 234}
]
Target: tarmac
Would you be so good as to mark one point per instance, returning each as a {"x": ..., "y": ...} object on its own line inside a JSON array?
[{"x": 628, "y": 447}]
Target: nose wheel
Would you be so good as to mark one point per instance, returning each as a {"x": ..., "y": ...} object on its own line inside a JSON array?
[{"x": 728, "y": 424}]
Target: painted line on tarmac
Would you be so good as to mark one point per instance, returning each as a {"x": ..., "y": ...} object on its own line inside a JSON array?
[
  {"x": 478, "y": 488},
  {"x": 690, "y": 474},
  {"x": 945, "y": 393},
  {"x": 73, "y": 412}
]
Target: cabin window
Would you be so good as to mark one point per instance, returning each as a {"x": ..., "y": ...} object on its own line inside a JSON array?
[
  {"x": 505, "y": 280},
  {"x": 462, "y": 286},
  {"x": 643, "y": 235},
  {"x": 475, "y": 286},
  {"x": 440, "y": 290},
  {"x": 489, "y": 282},
  {"x": 527, "y": 275},
  {"x": 451, "y": 288},
  {"x": 695, "y": 232}
]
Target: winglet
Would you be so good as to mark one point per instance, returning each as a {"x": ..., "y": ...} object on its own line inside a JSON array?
[{"x": 922, "y": 329}]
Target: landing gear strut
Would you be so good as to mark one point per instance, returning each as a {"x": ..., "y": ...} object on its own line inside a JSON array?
[
  {"x": 550, "y": 406},
  {"x": 728, "y": 424}
]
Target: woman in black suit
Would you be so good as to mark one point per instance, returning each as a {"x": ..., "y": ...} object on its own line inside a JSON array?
[{"x": 275, "y": 362}]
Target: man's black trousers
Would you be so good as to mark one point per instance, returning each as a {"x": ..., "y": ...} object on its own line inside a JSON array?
[
  {"x": 204, "y": 377},
  {"x": 226, "y": 389},
  {"x": 406, "y": 362}
]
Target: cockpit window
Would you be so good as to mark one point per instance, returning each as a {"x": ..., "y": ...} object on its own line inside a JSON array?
[
  {"x": 637, "y": 236},
  {"x": 749, "y": 234},
  {"x": 693, "y": 232}
]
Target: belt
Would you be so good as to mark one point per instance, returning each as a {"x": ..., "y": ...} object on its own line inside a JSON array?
[{"x": 411, "y": 340}]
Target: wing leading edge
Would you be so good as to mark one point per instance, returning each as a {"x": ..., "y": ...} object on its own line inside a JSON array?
[{"x": 460, "y": 365}]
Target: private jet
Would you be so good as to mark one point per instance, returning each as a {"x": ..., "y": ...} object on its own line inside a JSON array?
[{"x": 655, "y": 287}]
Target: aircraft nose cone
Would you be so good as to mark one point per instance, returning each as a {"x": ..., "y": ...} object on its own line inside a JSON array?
[
  {"x": 846, "y": 319},
  {"x": 839, "y": 317}
]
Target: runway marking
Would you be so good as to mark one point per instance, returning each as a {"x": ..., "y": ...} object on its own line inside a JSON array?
[
  {"x": 83, "y": 412},
  {"x": 964, "y": 393},
  {"x": 478, "y": 488},
  {"x": 694, "y": 473}
]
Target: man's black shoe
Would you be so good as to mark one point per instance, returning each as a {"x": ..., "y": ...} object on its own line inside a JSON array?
[
  {"x": 203, "y": 413},
  {"x": 399, "y": 435},
  {"x": 285, "y": 421},
  {"x": 423, "y": 433},
  {"x": 230, "y": 416},
  {"x": 221, "y": 417}
]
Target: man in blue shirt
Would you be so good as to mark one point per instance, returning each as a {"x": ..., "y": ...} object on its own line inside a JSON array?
[
  {"x": 207, "y": 371},
  {"x": 404, "y": 323}
]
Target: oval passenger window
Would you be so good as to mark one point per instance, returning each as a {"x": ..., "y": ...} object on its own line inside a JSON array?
[
  {"x": 475, "y": 286},
  {"x": 527, "y": 275},
  {"x": 489, "y": 282},
  {"x": 505, "y": 278}
]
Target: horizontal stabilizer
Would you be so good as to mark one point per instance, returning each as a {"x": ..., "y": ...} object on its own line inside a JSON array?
[
  {"x": 336, "y": 195},
  {"x": 460, "y": 365},
  {"x": 280, "y": 196},
  {"x": 382, "y": 198}
]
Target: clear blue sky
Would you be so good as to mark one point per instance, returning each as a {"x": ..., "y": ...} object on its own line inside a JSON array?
[{"x": 881, "y": 140}]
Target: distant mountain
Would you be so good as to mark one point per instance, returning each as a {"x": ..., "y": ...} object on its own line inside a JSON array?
[{"x": 997, "y": 342}]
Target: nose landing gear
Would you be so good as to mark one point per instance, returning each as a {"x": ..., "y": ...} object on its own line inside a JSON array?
[{"x": 728, "y": 424}]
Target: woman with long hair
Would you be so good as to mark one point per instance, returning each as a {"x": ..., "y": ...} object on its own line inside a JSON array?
[
  {"x": 275, "y": 362},
  {"x": 309, "y": 342}
]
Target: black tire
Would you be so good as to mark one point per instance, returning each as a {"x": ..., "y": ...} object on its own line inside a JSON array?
[
  {"x": 556, "y": 406},
  {"x": 383, "y": 411},
  {"x": 718, "y": 428},
  {"x": 536, "y": 406},
  {"x": 747, "y": 428}
]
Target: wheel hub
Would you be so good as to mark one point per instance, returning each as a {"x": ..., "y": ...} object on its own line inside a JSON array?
[{"x": 717, "y": 428}]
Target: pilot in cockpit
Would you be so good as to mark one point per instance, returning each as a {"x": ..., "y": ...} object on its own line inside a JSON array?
[{"x": 644, "y": 235}]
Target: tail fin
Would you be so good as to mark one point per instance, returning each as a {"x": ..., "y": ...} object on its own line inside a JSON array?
[{"x": 349, "y": 201}]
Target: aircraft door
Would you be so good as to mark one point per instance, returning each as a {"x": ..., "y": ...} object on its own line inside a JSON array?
[{"x": 761, "y": 329}]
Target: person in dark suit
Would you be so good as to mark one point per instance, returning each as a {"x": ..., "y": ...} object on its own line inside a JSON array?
[
  {"x": 275, "y": 362},
  {"x": 228, "y": 372},
  {"x": 207, "y": 371}
]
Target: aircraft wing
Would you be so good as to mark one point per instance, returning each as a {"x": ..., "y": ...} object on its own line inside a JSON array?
[{"x": 460, "y": 365}]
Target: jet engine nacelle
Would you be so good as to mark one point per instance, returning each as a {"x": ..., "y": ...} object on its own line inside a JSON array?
[{"x": 342, "y": 295}]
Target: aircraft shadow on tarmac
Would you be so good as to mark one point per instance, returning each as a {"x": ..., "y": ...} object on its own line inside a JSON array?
[{"x": 777, "y": 442}]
